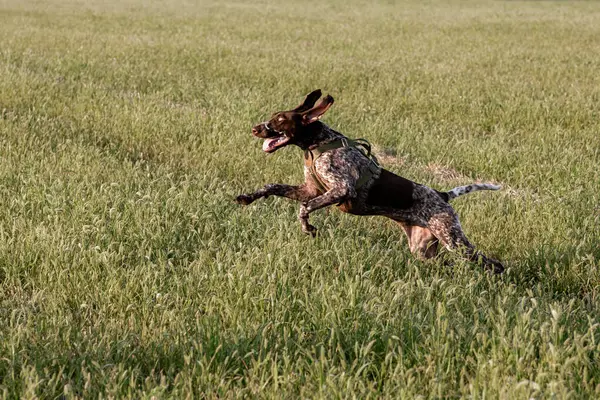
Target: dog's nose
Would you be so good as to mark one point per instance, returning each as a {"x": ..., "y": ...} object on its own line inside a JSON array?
[{"x": 254, "y": 131}]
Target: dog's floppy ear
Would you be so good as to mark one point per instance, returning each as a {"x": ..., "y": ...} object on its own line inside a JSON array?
[
  {"x": 309, "y": 101},
  {"x": 315, "y": 113}
]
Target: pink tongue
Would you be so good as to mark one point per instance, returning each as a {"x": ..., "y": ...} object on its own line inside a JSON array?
[{"x": 267, "y": 143}]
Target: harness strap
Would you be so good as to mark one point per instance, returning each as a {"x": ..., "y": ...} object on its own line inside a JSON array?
[{"x": 310, "y": 156}]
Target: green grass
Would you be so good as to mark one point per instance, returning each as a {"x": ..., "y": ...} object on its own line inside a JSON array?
[{"x": 126, "y": 270}]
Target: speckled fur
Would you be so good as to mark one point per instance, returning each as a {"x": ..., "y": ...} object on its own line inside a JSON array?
[{"x": 423, "y": 213}]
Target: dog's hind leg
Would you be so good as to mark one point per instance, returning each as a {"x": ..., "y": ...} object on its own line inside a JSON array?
[
  {"x": 421, "y": 241},
  {"x": 447, "y": 229}
]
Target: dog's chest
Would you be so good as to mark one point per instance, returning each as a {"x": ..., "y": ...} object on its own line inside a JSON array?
[
  {"x": 344, "y": 168},
  {"x": 336, "y": 168}
]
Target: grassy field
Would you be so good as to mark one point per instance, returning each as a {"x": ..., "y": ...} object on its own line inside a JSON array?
[{"x": 126, "y": 270}]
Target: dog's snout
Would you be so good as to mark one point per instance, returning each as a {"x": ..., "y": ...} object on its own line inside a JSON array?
[{"x": 259, "y": 130}]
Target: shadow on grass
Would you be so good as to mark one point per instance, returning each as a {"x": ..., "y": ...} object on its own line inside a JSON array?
[
  {"x": 205, "y": 359},
  {"x": 565, "y": 272}
]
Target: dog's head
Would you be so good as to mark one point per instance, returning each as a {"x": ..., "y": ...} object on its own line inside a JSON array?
[{"x": 296, "y": 126}]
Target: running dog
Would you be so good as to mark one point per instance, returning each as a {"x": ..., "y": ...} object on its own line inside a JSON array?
[{"x": 341, "y": 171}]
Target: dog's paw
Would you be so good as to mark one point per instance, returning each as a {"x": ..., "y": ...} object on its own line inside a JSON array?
[
  {"x": 244, "y": 199},
  {"x": 309, "y": 230},
  {"x": 493, "y": 266},
  {"x": 496, "y": 267}
]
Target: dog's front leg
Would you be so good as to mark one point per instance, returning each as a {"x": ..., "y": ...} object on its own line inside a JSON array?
[
  {"x": 299, "y": 193},
  {"x": 335, "y": 195}
]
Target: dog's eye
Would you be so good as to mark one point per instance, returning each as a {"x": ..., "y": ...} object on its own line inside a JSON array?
[{"x": 280, "y": 119}]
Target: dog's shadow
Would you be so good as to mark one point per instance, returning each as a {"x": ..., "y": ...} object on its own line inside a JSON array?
[{"x": 565, "y": 272}]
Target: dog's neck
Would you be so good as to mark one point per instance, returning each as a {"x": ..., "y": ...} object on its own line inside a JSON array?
[{"x": 318, "y": 135}]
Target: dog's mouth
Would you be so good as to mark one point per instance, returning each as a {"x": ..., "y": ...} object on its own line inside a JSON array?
[
  {"x": 273, "y": 139},
  {"x": 272, "y": 144}
]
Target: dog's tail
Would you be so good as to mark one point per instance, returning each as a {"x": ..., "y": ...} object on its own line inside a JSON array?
[{"x": 460, "y": 190}]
